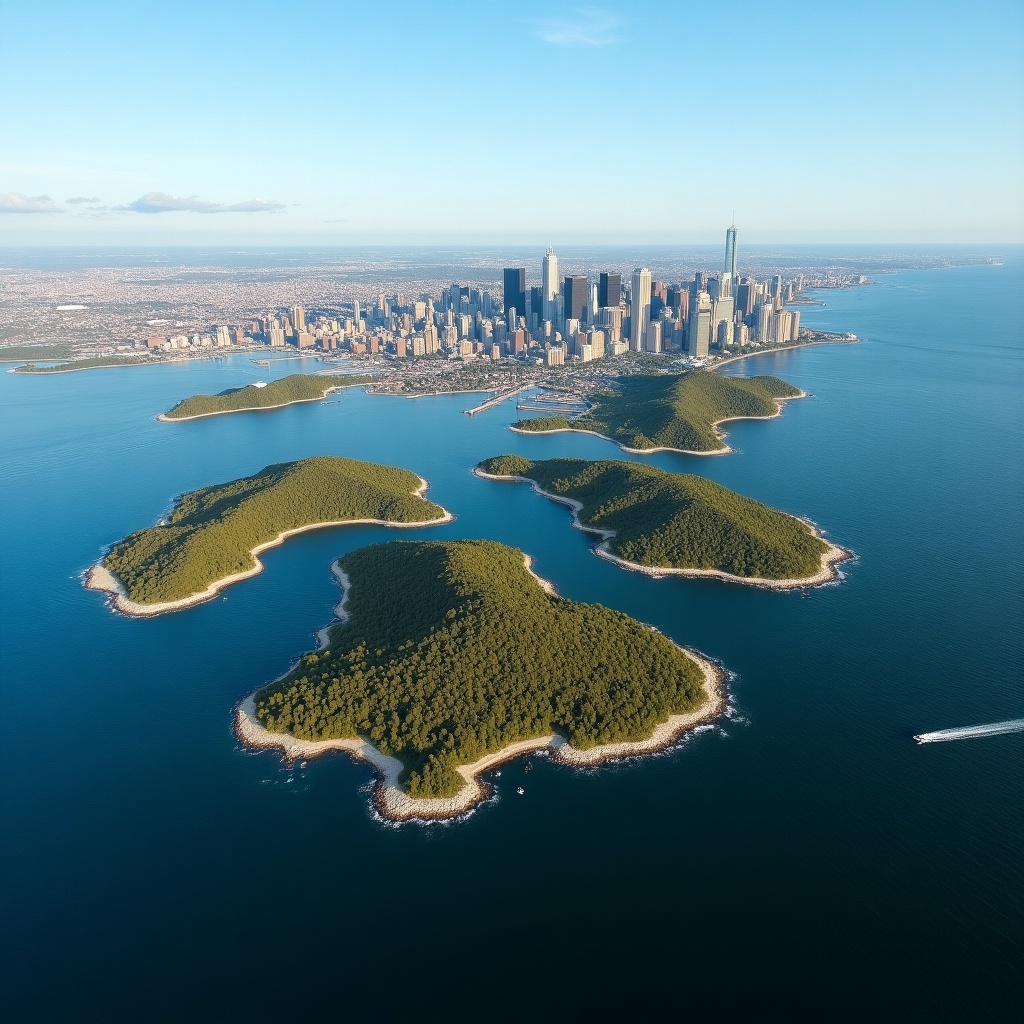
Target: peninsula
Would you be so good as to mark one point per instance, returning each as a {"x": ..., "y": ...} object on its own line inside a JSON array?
[
  {"x": 213, "y": 535},
  {"x": 93, "y": 363},
  {"x": 673, "y": 412},
  {"x": 297, "y": 387},
  {"x": 664, "y": 523},
  {"x": 486, "y": 663}
]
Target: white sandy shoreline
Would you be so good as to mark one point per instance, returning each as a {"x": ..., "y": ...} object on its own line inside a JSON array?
[
  {"x": 102, "y": 579},
  {"x": 164, "y": 418},
  {"x": 826, "y": 574},
  {"x": 724, "y": 450},
  {"x": 397, "y": 806}
]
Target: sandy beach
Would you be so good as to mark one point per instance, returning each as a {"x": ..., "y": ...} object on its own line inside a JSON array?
[
  {"x": 102, "y": 579},
  {"x": 724, "y": 450},
  {"x": 827, "y": 573},
  {"x": 164, "y": 418}
]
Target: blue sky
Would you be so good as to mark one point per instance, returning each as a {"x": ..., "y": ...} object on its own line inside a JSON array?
[{"x": 380, "y": 122}]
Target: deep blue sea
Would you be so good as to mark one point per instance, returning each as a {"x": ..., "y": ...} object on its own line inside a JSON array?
[{"x": 803, "y": 860}]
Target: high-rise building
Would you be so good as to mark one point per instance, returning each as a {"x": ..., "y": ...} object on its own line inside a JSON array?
[
  {"x": 430, "y": 340},
  {"x": 730, "y": 251},
  {"x": 299, "y": 318},
  {"x": 609, "y": 290},
  {"x": 763, "y": 313},
  {"x": 698, "y": 339},
  {"x": 574, "y": 295},
  {"x": 549, "y": 284},
  {"x": 745, "y": 295},
  {"x": 639, "y": 308},
  {"x": 652, "y": 339},
  {"x": 515, "y": 290}
]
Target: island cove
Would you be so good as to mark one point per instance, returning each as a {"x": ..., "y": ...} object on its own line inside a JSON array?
[
  {"x": 672, "y": 412},
  {"x": 489, "y": 663},
  {"x": 661, "y": 523},
  {"x": 297, "y": 387},
  {"x": 213, "y": 536}
]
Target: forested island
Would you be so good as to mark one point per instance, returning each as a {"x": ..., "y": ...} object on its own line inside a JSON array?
[
  {"x": 658, "y": 522},
  {"x": 297, "y": 387},
  {"x": 452, "y": 656},
  {"x": 213, "y": 535},
  {"x": 675, "y": 412}
]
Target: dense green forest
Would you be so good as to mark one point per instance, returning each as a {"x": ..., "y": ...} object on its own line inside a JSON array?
[
  {"x": 298, "y": 387},
  {"x": 83, "y": 364},
  {"x": 676, "y": 411},
  {"x": 541, "y": 424},
  {"x": 22, "y": 353},
  {"x": 212, "y": 531},
  {"x": 675, "y": 520},
  {"x": 452, "y": 650}
]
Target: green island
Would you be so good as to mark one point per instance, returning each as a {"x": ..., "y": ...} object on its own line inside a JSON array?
[
  {"x": 651, "y": 519},
  {"x": 675, "y": 411},
  {"x": 93, "y": 363},
  {"x": 297, "y": 387},
  {"x": 481, "y": 658},
  {"x": 212, "y": 536}
]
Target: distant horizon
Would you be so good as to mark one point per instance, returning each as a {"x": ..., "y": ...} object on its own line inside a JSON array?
[{"x": 459, "y": 244}]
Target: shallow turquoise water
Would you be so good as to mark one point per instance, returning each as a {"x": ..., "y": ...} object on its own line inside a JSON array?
[{"x": 804, "y": 857}]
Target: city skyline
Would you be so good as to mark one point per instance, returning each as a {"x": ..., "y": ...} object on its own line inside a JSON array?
[{"x": 266, "y": 136}]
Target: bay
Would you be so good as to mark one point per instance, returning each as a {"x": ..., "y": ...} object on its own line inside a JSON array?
[{"x": 805, "y": 856}]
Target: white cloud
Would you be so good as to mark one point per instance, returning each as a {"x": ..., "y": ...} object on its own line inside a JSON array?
[
  {"x": 586, "y": 26},
  {"x": 161, "y": 202},
  {"x": 75, "y": 200},
  {"x": 18, "y": 202}
]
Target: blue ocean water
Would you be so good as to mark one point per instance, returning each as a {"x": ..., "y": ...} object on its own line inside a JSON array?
[{"x": 804, "y": 858}]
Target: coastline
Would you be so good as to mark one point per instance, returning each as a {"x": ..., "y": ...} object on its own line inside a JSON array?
[
  {"x": 102, "y": 579},
  {"x": 724, "y": 450},
  {"x": 782, "y": 348},
  {"x": 164, "y": 418},
  {"x": 396, "y": 806},
  {"x": 78, "y": 369},
  {"x": 826, "y": 574}
]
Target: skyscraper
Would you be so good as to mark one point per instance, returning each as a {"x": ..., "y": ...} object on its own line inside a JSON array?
[
  {"x": 515, "y": 290},
  {"x": 730, "y": 251},
  {"x": 639, "y": 308},
  {"x": 574, "y": 292},
  {"x": 609, "y": 290},
  {"x": 698, "y": 338},
  {"x": 549, "y": 283}
]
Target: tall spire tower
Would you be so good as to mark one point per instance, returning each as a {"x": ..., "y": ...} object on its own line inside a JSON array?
[
  {"x": 730, "y": 249},
  {"x": 549, "y": 283}
]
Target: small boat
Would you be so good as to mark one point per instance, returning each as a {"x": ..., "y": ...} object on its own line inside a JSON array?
[
  {"x": 520, "y": 790},
  {"x": 497, "y": 774},
  {"x": 302, "y": 764}
]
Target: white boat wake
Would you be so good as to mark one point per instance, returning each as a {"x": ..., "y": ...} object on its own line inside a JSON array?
[{"x": 971, "y": 732}]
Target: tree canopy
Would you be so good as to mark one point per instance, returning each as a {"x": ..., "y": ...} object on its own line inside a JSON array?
[
  {"x": 451, "y": 650},
  {"x": 673, "y": 411},
  {"x": 211, "y": 532},
  {"x": 675, "y": 520},
  {"x": 297, "y": 387}
]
